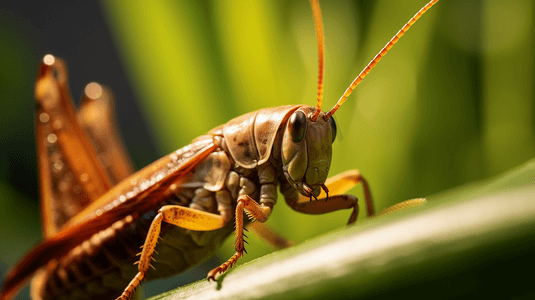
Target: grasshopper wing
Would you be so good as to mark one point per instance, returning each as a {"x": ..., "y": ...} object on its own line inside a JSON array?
[
  {"x": 96, "y": 117},
  {"x": 100, "y": 206},
  {"x": 142, "y": 191},
  {"x": 70, "y": 172}
]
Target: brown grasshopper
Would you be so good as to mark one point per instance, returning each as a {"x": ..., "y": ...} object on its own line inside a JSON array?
[{"x": 97, "y": 213}]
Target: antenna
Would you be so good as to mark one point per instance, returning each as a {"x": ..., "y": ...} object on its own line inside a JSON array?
[
  {"x": 316, "y": 11},
  {"x": 376, "y": 59}
]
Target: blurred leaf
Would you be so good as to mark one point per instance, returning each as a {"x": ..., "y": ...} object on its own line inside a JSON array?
[{"x": 471, "y": 241}]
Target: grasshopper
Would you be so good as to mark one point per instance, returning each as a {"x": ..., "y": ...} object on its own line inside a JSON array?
[{"x": 98, "y": 213}]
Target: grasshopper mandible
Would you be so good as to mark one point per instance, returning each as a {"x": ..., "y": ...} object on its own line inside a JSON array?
[{"x": 94, "y": 209}]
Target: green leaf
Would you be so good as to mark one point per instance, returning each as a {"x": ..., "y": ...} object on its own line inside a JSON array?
[{"x": 476, "y": 240}]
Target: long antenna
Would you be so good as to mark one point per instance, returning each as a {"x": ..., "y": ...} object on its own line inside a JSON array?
[
  {"x": 378, "y": 57},
  {"x": 316, "y": 11}
]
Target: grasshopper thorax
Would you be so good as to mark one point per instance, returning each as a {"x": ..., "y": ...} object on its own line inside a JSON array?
[{"x": 307, "y": 150}]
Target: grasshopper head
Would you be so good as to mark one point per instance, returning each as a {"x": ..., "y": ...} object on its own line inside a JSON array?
[
  {"x": 307, "y": 150},
  {"x": 306, "y": 146}
]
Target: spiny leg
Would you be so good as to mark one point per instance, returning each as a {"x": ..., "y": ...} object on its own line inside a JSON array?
[
  {"x": 336, "y": 185},
  {"x": 342, "y": 182},
  {"x": 180, "y": 216},
  {"x": 269, "y": 235},
  {"x": 255, "y": 211},
  {"x": 402, "y": 205},
  {"x": 333, "y": 203}
]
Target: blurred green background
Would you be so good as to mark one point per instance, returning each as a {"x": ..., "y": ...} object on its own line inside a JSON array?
[{"x": 453, "y": 102}]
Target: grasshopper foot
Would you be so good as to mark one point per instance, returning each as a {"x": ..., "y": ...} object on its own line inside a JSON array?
[{"x": 224, "y": 267}]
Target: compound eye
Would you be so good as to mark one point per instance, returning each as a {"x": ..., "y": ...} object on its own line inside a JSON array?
[
  {"x": 297, "y": 126},
  {"x": 333, "y": 127}
]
